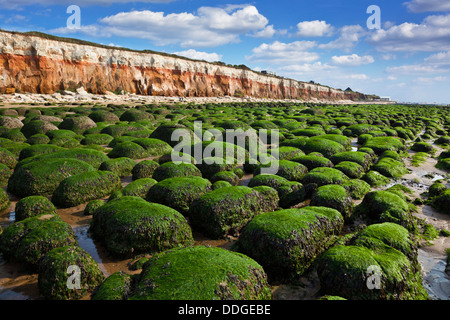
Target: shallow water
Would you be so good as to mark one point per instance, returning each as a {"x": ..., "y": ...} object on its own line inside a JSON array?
[{"x": 435, "y": 280}]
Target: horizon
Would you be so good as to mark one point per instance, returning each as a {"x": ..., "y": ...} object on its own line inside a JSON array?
[{"x": 400, "y": 50}]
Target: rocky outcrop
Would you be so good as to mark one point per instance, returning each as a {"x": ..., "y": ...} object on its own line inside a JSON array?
[{"x": 47, "y": 64}]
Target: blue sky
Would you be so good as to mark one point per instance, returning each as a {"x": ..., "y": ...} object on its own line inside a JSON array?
[{"x": 328, "y": 41}]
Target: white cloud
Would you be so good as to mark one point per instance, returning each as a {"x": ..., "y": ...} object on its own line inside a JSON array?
[
  {"x": 435, "y": 64},
  {"x": 198, "y": 55},
  {"x": 284, "y": 53},
  {"x": 267, "y": 32},
  {"x": 207, "y": 27},
  {"x": 348, "y": 38},
  {"x": 314, "y": 28},
  {"x": 433, "y": 34},
  {"x": 430, "y": 80},
  {"x": 427, "y": 5},
  {"x": 352, "y": 60}
]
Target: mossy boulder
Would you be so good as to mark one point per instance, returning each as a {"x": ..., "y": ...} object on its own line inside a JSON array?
[
  {"x": 7, "y": 158},
  {"x": 43, "y": 177},
  {"x": 444, "y": 164},
  {"x": 375, "y": 179},
  {"x": 442, "y": 202},
  {"x": 290, "y": 170},
  {"x": 390, "y": 168},
  {"x": 325, "y": 146},
  {"x": 92, "y": 206},
  {"x": 84, "y": 187},
  {"x": 144, "y": 169},
  {"x": 4, "y": 200},
  {"x": 201, "y": 273},
  {"x": 128, "y": 149},
  {"x": 97, "y": 138},
  {"x": 220, "y": 184},
  {"x": 323, "y": 176},
  {"x": 120, "y": 166},
  {"x": 381, "y": 144},
  {"x": 5, "y": 173},
  {"x": 290, "y": 192},
  {"x": 37, "y": 126},
  {"x": 33, "y": 206},
  {"x": 312, "y": 161},
  {"x": 116, "y": 287},
  {"x": 103, "y": 116},
  {"x": 164, "y": 132},
  {"x": 286, "y": 242},
  {"x": 93, "y": 157},
  {"x": 38, "y": 138},
  {"x": 436, "y": 189},
  {"x": 288, "y": 153},
  {"x": 383, "y": 250},
  {"x": 53, "y": 278},
  {"x": 154, "y": 147},
  {"x": 228, "y": 176},
  {"x": 335, "y": 197},
  {"x": 30, "y": 239},
  {"x": 14, "y": 135},
  {"x": 137, "y": 188},
  {"x": 225, "y": 211},
  {"x": 361, "y": 158},
  {"x": 130, "y": 225},
  {"x": 38, "y": 149},
  {"x": 357, "y": 188},
  {"x": 211, "y": 165},
  {"x": 134, "y": 115},
  {"x": 179, "y": 192},
  {"x": 385, "y": 206},
  {"x": 172, "y": 170},
  {"x": 350, "y": 169},
  {"x": 422, "y": 147},
  {"x": 77, "y": 124}
]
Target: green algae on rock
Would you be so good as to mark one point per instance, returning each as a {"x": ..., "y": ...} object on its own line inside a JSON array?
[
  {"x": 30, "y": 239},
  {"x": 324, "y": 175},
  {"x": 52, "y": 272},
  {"x": 335, "y": 197},
  {"x": 201, "y": 273},
  {"x": 4, "y": 200},
  {"x": 144, "y": 169},
  {"x": 225, "y": 211},
  {"x": 33, "y": 206},
  {"x": 172, "y": 170},
  {"x": 121, "y": 166},
  {"x": 84, "y": 187},
  {"x": 278, "y": 241},
  {"x": 130, "y": 225},
  {"x": 179, "y": 192}
]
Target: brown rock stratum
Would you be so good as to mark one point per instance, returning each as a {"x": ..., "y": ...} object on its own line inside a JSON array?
[{"x": 35, "y": 64}]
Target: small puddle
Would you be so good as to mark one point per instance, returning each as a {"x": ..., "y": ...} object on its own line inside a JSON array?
[{"x": 435, "y": 280}]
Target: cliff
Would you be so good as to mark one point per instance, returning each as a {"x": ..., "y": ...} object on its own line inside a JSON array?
[{"x": 46, "y": 64}]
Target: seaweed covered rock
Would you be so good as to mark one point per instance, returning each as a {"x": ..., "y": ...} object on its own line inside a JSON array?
[
  {"x": 43, "y": 177},
  {"x": 361, "y": 158},
  {"x": 225, "y": 211},
  {"x": 381, "y": 144},
  {"x": 290, "y": 192},
  {"x": 128, "y": 149},
  {"x": 422, "y": 147},
  {"x": 5, "y": 173},
  {"x": 130, "y": 225},
  {"x": 172, "y": 170},
  {"x": 120, "y": 166},
  {"x": 350, "y": 169},
  {"x": 286, "y": 242},
  {"x": 357, "y": 188},
  {"x": 375, "y": 179},
  {"x": 444, "y": 164},
  {"x": 92, "y": 206},
  {"x": 390, "y": 168},
  {"x": 209, "y": 166},
  {"x": 201, "y": 273},
  {"x": 436, "y": 189},
  {"x": 442, "y": 202},
  {"x": 137, "y": 188},
  {"x": 84, "y": 187},
  {"x": 144, "y": 169},
  {"x": 179, "y": 192},
  {"x": 228, "y": 176},
  {"x": 4, "y": 200},
  {"x": 290, "y": 170},
  {"x": 325, "y": 146},
  {"x": 30, "y": 239},
  {"x": 323, "y": 176},
  {"x": 38, "y": 149},
  {"x": 384, "y": 251},
  {"x": 7, "y": 158},
  {"x": 116, "y": 287},
  {"x": 53, "y": 271},
  {"x": 154, "y": 147},
  {"x": 37, "y": 126},
  {"x": 38, "y": 138},
  {"x": 33, "y": 206},
  {"x": 312, "y": 161},
  {"x": 97, "y": 138},
  {"x": 165, "y": 131},
  {"x": 385, "y": 206},
  {"x": 77, "y": 124},
  {"x": 335, "y": 197},
  {"x": 93, "y": 157}
]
